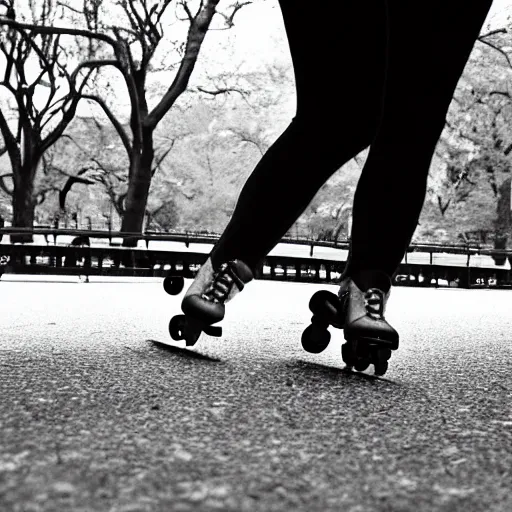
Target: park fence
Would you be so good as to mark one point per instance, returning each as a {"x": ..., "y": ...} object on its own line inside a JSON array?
[{"x": 101, "y": 253}]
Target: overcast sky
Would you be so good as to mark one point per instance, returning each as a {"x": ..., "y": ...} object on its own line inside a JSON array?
[
  {"x": 257, "y": 25},
  {"x": 258, "y": 37}
]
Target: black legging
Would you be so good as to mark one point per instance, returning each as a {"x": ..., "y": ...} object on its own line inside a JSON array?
[{"x": 377, "y": 73}]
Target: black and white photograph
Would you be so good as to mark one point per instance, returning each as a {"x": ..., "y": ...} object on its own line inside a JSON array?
[{"x": 255, "y": 256}]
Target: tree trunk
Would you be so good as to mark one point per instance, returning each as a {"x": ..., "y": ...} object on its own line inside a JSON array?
[
  {"x": 138, "y": 191},
  {"x": 503, "y": 220},
  {"x": 23, "y": 201}
]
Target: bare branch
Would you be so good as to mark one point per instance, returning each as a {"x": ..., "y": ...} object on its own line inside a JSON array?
[
  {"x": 498, "y": 50},
  {"x": 506, "y": 94},
  {"x": 36, "y": 29},
  {"x": 70, "y": 138},
  {"x": 199, "y": 26},
  {"x": 93, "y": 64},
  {"x": 69, "y": 183},
  {"x": 494, "y": 32},
  {"x": 3, "y": 186},
  {"x": 249, "y": 139},
  {"x": 112, "y": 118},
  {"x": 229, "y": 18},
  {"x": 66, "y": 6},
  {"x": 67, "y": 116},
  {"x": 10, "y": 141},
  {"x": 186, "y": 8},
  {"x": 162, "y": 158},
  {"x": 443, "y": 207},
  {"x": 222, "y": 90}
]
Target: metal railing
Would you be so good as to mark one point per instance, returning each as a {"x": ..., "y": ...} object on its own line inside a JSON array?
[
  {"x": 205, "y": 237},
  {"x": 98, "y": 259}
]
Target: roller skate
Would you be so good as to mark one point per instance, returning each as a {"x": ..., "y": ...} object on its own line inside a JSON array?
[
  {"x": 204, "y": 302},
  {"x": 358, "y": 309},
  {"x": 369, "y": 337}
]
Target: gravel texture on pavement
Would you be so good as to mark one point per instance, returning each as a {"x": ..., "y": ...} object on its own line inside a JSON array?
[{"x": 94, "y": 417}]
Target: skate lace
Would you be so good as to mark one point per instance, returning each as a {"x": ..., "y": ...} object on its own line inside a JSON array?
[
  {"x": 374, "y": 303},
  {"x": 222, "y": 284}
]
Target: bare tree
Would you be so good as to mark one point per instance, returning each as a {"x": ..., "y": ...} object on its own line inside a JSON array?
[
  {"x": 474, "y": 145},
  {"x": 45, "y": 102},
  {"x": 134, "y": 47}
]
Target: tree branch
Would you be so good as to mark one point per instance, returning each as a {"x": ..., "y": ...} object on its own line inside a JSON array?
[
  {"x": 442, "y": 207},
  {"x": 162, "y": 158},
  {"x": 3, "y": 186},
  {"x": 198, "y": 28},
  {"x": 112, "y": 118},
  {"x": 93, "y": 64},
  {"x": 37, "y": 29},
  {"x": 493, "y": 32},
  {"x": 500, "y": 93},
  {"x": 67, "y": 115},
  {"x": 498, "y": 50},
  {"x": 236, "y": 7},
  {"x": 222, "y": 90},
  {"x": 10, "y": 141},
  {"x": 69, "y": 183}
]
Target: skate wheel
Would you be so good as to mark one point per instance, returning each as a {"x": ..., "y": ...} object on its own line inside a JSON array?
[
  {"x": 180, "y": 328},
  {"x": 324, "y": 303},
  {"x": 177, "y": 327},
  {"x": 381, "y": 367},
  {"x": 213, "y": 330},
  {"x": 361, "y": 365},
  {"x": 362, "y": 350},
  {"x": 315, "y": 339},
  {"x": 191, "y": 336},
  {"x": 383, "y": 354},
  {"x": 347, "y": 355},
  {"x": 173, "y": 285}
]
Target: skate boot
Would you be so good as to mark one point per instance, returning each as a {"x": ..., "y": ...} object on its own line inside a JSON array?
[
  {"x": 370, "y": 338},
  {"x": 204, "y": 302}
]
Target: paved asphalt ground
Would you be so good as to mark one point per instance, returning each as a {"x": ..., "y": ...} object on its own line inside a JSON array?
[{"x": 93, "y": 417}]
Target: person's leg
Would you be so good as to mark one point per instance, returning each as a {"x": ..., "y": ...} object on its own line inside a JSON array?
[
  {"x": 428, "y": 48},
  {"x": 339, "y": 73},
  {"x": 427, "y": 52}
]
